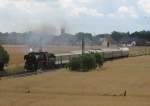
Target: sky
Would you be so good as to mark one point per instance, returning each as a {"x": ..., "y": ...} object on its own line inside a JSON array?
[{"x": 94, "y": 16}]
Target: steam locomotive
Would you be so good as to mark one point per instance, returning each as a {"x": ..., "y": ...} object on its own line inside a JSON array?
[
  {"x": 45, "y": 60},
  {"x": 39, "y": 60}
]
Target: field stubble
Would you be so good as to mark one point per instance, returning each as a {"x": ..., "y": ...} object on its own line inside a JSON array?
[{"x": 100, "y": 87}]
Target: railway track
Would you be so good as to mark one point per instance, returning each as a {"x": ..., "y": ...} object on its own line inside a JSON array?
[
  {"x": 22, "y": 74},
  {"x": 25, "y": 73}
]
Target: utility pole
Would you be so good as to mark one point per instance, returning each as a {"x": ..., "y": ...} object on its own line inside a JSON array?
[{"x": 83, "y": 44}]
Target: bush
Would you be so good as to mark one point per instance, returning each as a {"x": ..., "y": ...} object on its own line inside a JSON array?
[
  {"x": 4, "y": 58},
  {"x": 99, "y": 59},
  {"x": 86, "y": 62},
  {"x": 75, "y": 63}
]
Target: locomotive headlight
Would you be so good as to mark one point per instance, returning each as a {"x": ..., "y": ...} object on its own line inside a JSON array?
[{"x": 30, "y": 50}]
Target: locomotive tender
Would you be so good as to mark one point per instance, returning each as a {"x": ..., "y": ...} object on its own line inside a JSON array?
[{"x": 45, "y": 60}]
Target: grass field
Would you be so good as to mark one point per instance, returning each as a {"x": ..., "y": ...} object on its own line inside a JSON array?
[{"x": 100, "y": 87}]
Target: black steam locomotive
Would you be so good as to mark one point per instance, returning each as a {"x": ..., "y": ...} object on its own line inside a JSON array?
[{"x": 39, "y": 60}]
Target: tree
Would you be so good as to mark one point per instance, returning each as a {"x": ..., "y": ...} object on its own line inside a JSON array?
[
  {"x": 118, "y": 36},
  {"x": 142, "y": 35},
  {"x": 80, "y": 35},
  {"x": 4, "y": 58}
]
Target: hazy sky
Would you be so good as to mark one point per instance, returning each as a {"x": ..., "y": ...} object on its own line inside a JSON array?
[{"x": 95, "y": 16}]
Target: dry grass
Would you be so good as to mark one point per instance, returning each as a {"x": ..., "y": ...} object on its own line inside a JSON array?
[
  {"x": 96, "y": 88},
  {"x": 139, "y": 51},
  {"x": 17, "y": 52}
]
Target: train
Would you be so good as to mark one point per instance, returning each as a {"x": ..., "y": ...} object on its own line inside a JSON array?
[{"x": 44, "y": 60}]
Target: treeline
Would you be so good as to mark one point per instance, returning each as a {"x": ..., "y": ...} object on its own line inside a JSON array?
[
  {"x": 142, "y": 38},
  {"x": 44, "y": 39}
]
